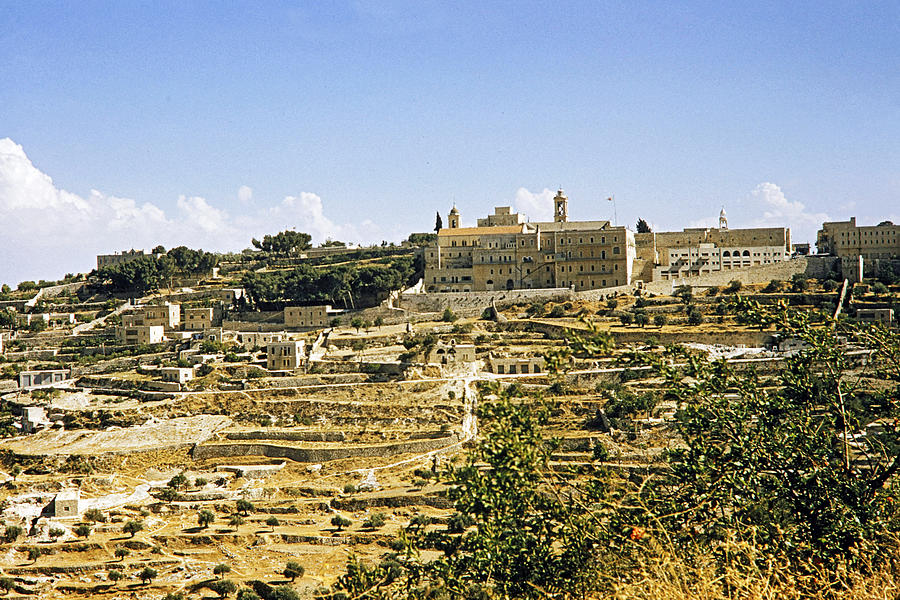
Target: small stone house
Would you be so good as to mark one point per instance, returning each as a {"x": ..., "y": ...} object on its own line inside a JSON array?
[
  {"x": 140, "y": 334},
  {"x": 449, "y": 353},
  {"x": 218, "y": 334},
  {"x": 33, "y": 379},
  {"x": 176, "y": 374},
  {"x": 168, "y": 315},
  {"x": 34, "y": 418},
  {"x": 231, "y": 295},
  {"x": 196, "y": 358},
  {"x": 198, "y": 318},
  {"x": 284, "y": 356},
  {"x": 885, "y": 316},
  {"x": 65, "y": 504},
  {"x": 252, "y": 339},
  {"x": 509, "y": 365}
]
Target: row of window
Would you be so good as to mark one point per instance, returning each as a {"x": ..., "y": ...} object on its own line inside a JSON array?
[
  {"x": 523, "y": 368},
  {"x": 562, "y": 268},
  {"x": 581, "y": 284},
  {"x": 562, "y": 241}
]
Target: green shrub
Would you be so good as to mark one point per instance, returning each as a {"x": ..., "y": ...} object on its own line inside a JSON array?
[
  {"x": 147, "y": 574},
  {"x": 94, "y": 514},
  {"x": 293, "y": 570},
  {"x": 375, "y": 521}
]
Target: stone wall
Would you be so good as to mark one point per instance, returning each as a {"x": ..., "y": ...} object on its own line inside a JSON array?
[
  {"x": 759, "y": 274},
  {"x": 819, "y": 267},
  {"x": 474, "y": 303},
  {"x": 604, "y": 293},
  {"x": 307, "y": 380},
  {"x": 319, "y": 455},
  {"x": 250, "y": 326},
  {"x": 639, "y": 335},
  {"x": 291, "y": 436}
]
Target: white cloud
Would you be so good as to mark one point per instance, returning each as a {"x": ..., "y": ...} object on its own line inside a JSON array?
[
  {"x": 537, "y": 206},
  {"x": 196, "y": 212},
  {"x": 778, "y": 211},
  {"x": 47, "y": 231},
  {"x": 306, "y": 212},
  {"x": 126, "y": 215}
]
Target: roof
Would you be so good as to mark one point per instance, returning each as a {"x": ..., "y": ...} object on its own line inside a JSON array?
[
  {"x": 480, "y": 230},
  {"x": 574, "y": 226},
  {"x": 64, "y": 495},
  {"x": 34, "y": 412}
]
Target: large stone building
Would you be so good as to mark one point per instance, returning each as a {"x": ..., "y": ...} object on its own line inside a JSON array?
[
  {"x": 317, "y": 315},
  {"x": 847, "y": 239},
  {"x": 108, "y": 260},
  {"x": 703, "y": 250},
  {"x": 504, "y": 252},
  {"x": 864, "y": 251}
]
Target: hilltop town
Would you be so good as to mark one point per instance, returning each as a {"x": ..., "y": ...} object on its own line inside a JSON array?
[{"x": 177, "y": 418}]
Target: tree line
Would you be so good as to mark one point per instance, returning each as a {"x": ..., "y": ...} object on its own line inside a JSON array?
[
  {"x": 150, "y": 272},
  {"x": 344, "y": 284}
]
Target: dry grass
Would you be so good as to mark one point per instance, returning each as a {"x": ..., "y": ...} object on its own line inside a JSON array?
[{"x": 668, "y": 577}]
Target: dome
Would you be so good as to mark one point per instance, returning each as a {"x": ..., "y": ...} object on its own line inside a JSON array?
[
  {"x": 722, "y": 212},
  {"x": 454, "y": 210}
]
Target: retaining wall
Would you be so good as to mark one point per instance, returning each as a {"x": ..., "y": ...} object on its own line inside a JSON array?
[
  {"x": 252, "y": 326},
  {"x": 820, "y": 266},
  {"x": 319, "y": 455},
  {"x": 638, "y": 335},
  {"x": 312, "y": 379},
  {"x": 293, "y": 436},
  {"x": 749, "y": 275},
  {"x": 473, "y": 303}
]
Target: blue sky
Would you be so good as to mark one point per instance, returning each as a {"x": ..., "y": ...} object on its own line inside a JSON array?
[{"x": 127, "y": 124}]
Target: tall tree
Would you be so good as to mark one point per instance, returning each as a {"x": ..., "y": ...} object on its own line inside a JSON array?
[
  {"x": 438, "y": 223},
  {"x": 643, "y": 227}
]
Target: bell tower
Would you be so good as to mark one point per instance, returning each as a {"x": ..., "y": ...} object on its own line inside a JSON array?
[
  {"x": 560, "y": 208},
  {"x": 453, "y": 218}
]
